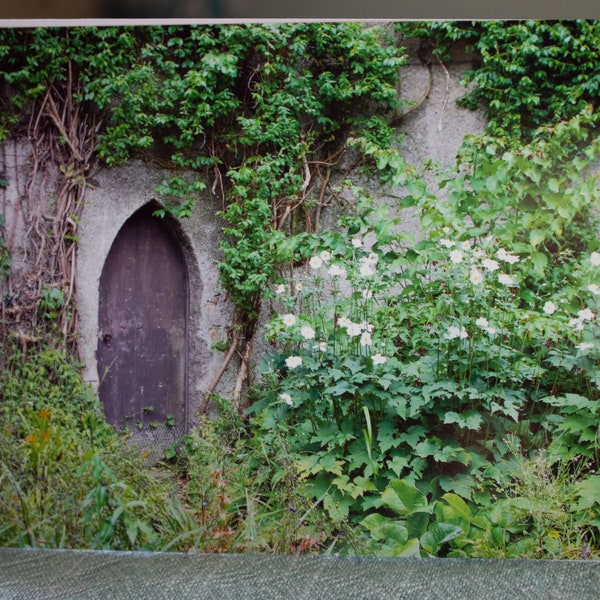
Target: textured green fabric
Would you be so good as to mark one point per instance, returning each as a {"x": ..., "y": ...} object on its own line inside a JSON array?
[{"x": 62, "y": 574}]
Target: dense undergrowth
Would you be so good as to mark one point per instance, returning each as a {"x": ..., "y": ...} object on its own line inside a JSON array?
[
  {"x": 437, "y": 398},
  {"x": 421, "y": 398}
]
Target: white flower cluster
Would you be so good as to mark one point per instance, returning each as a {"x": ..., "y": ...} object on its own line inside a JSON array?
[
  {"x": 363, "y": 329},
  {"x": 457, "y": 256},
  {"x": 504, "y": 256},
  {"x": 455, "y": 332},
  {"x": 484, "y": 324},
  {"x": 286, "y": 398},
  {"x": 582, "y": 316},
  {"x": 306, "y": 331},
  {"x": 291, "y": 362},
  {"x": 367, "y": 265}
]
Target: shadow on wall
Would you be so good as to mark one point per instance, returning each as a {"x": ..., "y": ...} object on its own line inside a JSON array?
[
  {"x": 234, "y": 9},
  {"x": 314, "y": 9}
]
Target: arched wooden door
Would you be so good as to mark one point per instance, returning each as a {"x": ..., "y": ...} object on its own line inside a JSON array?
[{"x": 143, "y": 313}]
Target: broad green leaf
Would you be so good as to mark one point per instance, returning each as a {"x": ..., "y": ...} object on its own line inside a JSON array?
[
  {"x": 536, "y": 237},
  {"x": 438, "y": 535},
  {"x": 459, "y": 507},
  {"x": 539, "y": 261},
  {"x": 403, "y": 498},
  {"x": 384, "y": 529}
]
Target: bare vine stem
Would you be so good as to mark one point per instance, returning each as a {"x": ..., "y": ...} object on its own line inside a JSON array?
[{"x": 62, "y": 139}]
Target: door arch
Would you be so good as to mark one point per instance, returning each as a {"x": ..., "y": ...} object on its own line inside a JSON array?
[{"x": 142, "y": 351}]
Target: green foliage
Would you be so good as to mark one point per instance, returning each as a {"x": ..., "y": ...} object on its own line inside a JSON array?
[
  {"x": 66, "y": 479},
  {"x": 415, "y": 361},
  {"x": 51, "y": 300},
  {"x": 537, "y": 513},
  {"x": 540, "y": 510},
  {"x": 529, "y": 73},
  {"x": 221, "y": 101},
  {"x": 401, "y": 372},
  {"x": 244, "y": 493}
]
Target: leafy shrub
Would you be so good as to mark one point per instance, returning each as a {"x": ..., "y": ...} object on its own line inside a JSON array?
[
  {"x": 245, "y": 495},
  {"x": 537, "y": 512},
  {"x": 415, "y": 362}
]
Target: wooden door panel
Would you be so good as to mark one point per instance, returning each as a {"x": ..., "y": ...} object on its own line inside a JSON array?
[{"x": 142, "y": 348}]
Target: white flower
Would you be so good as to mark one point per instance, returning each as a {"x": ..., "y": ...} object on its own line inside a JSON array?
[
  {"x": 584, "y": 346},
  {"x": 490, "y": 264},
  {"x": 365, "y": 326},
  {"x": 307, "y": 332},
  {"x": 336, "y": 271},
  {"x": 366, "y": 339},
  {"x": 456, "y": 256},
  {"x": 549, "y": 308},
  {"x": 325, "y": 255},
  {"x": 322, "y": 346},
  {"x": 289, "y": 320},
  {"x": 315, "y": 262},
  {"x": 367, "y": 294},
  {"x": 466, "y": 244},
  {"x": 586, "y": 315},
  {"x": 595, "y": 259},
  {"x": 455, "y": 332},
  {"x": 378, "y": 359},
  {"x": 366, "y": 269},
  {"x": 280, "y": 289},
  {"x": 594, "y": 289},
  {"x": 503, "y": 255},
  {"x": 291, "y": 362},
  {"x": 299, "y": 287},
  {"x": 482, "y": 322},
  {"x": 447, "y": 243},
  {"x": 505, "y": 279},
  {"x": 343, "y": 321},
  {"x": 357, "y": 242},
  {"x": 286, "y": 398},
  {"x": 577, "y": 324},
  {"x": 476, "y": 276},
  {"x": 353, "y": 329}
]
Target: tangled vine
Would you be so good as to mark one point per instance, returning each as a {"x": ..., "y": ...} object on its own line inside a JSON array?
[{"x": 38, "y": 304}]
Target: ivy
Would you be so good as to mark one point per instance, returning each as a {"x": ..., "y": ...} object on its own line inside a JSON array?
[
  {"x": 260, "y": 112},
  {"x": 529, "y": 73}
]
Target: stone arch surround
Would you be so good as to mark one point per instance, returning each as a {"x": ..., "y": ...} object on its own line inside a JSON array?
[{"x": 116, "y": 196}]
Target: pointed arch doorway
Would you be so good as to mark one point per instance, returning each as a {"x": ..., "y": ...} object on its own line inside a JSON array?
[{"x": 142, "y": 352}]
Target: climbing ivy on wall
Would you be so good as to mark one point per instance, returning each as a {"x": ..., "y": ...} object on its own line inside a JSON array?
[
  {"x": 529, "y": 73},
  {"x": 260, "y": 113}
]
